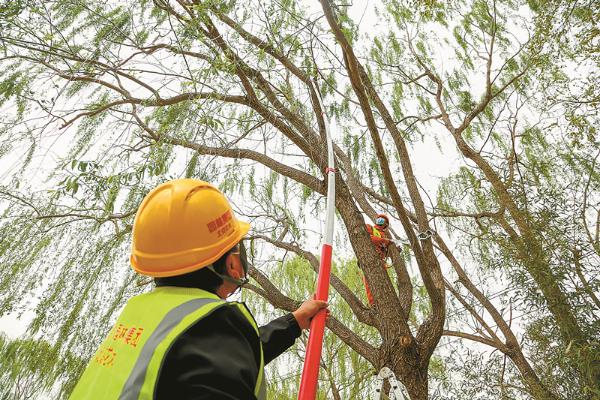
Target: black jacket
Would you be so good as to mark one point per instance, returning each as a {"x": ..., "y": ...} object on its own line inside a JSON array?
[{"x": 219, "y": 356}]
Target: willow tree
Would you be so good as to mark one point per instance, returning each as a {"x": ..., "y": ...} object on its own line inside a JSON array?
[
  {"x": 519, "y": 193},
  {"x": 30, "y": 368},
  {"x": 107, "y": 99},
  {"x": 532, "y": 203}
]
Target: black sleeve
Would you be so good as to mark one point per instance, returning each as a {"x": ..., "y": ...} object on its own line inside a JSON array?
[
  {"x": 278, "y": 336},
  {"x": 217, "y": 358}
]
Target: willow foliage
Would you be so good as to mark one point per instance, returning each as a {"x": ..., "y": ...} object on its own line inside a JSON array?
[{"x": 102, "y": 100}]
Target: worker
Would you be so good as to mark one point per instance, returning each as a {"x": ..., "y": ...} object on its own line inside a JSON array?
[
  {"x": 381, "y": 243},
  {"x": 182, "y": 340},
  {"x": 378, "y": 234}
]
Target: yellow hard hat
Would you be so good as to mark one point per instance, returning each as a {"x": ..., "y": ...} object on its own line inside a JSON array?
[{"x": 182, "y": 226}]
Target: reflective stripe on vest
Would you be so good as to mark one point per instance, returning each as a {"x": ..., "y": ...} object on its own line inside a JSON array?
[
  {"x": 133, "y": 385},
  {"x": 376, "y": 232},
  {"x": 127, "y": 364}
]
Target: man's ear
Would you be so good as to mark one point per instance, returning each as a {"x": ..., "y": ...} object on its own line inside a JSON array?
[{"x": 230, "y": 264}]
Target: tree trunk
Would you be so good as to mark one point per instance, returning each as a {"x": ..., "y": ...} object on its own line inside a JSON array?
[
  {"x": 548, "y": 283},
  {"x": 416, "y": 383}
]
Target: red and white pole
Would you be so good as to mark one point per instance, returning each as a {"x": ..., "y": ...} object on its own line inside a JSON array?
[{"x": 310, "y": 373}]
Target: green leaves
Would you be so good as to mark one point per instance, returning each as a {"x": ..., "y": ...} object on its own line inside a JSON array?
[
  {"x": 10, "y": 8},
  {"x": 117, "y": 28},
  {"x": 16, "y": 85},
  {"x": 28, "y": 367},
  {"x": 465, "y": 101}
]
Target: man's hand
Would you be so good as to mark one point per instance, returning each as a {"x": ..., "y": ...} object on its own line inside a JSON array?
[{"x": 307, "y": 311}]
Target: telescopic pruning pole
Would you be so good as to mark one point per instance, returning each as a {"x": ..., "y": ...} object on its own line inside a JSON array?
[{"x": 310, "y": 373}]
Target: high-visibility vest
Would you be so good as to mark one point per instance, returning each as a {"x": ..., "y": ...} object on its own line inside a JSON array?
[
  {"x": 376, "y": 232},
  {"x": 373, "y": 231},
  {"x": 127, "y": 364}
]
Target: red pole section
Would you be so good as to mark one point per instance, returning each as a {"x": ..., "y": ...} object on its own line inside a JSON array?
[{"x": 310, "y": 373}]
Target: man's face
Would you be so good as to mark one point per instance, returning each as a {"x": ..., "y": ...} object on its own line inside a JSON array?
[
  {"x": 381, "y": 223},
  {"x": 237, "y": 262},
  {"x": 240, "y": 259},
  {"x": 236, "y": 268}
]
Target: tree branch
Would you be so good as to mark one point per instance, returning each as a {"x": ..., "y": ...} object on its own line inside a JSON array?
[
  {"x": 279, "y": 300},
  {"x": 489, "y": 342},
  {"x": 363, "y": 314}
]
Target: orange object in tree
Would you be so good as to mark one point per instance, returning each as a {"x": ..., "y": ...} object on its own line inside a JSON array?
[{"x": 381, "y": 242}]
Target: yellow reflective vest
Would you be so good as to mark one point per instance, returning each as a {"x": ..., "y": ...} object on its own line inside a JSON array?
[
  {"x": 376, "y": 232},
  {"x": 127, "y": 364}
]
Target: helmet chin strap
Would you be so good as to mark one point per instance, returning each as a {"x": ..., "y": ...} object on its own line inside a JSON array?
[{"x": 238, "y": 282}]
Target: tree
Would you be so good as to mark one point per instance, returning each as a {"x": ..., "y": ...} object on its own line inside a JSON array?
[
  {"x": 30, "y": 368},
  {"x": 162, "y": 89},
  {"x": 529, "y": 209}
]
